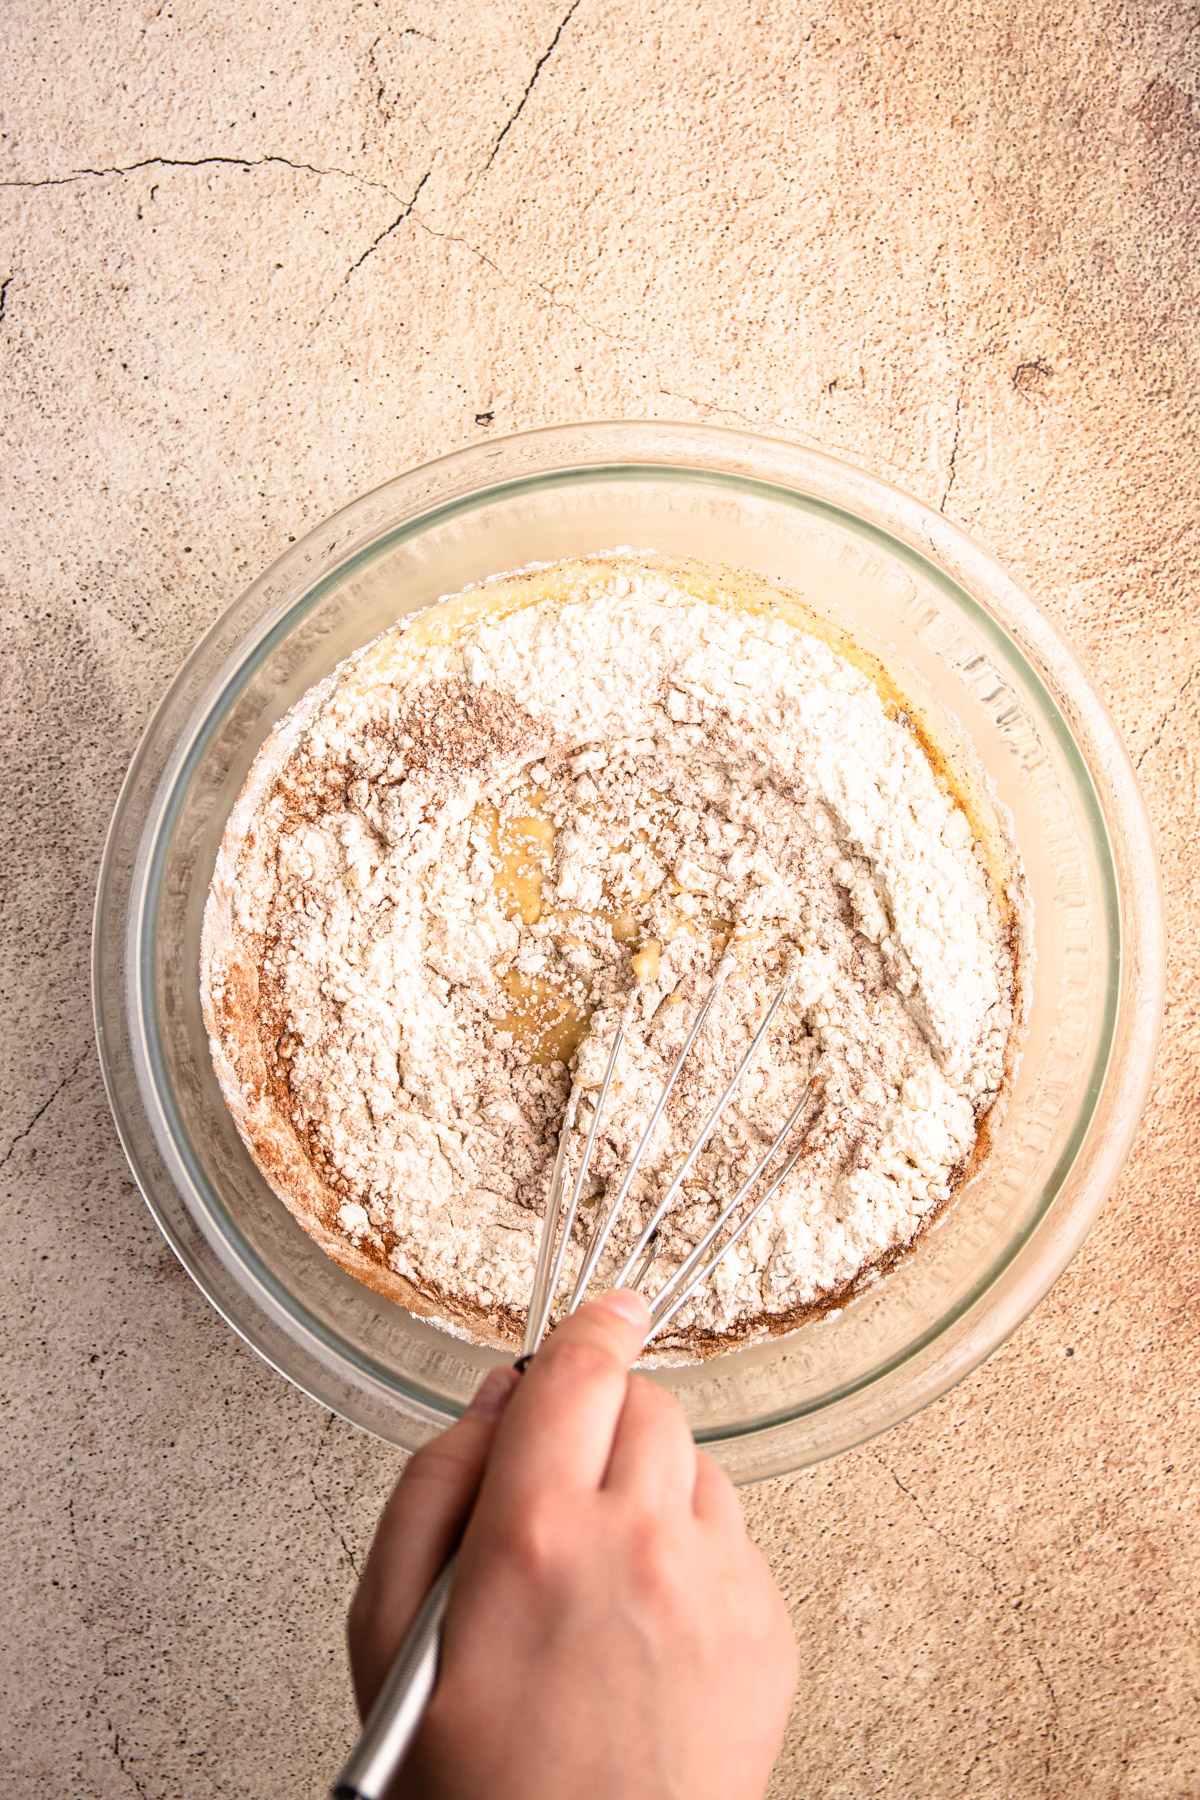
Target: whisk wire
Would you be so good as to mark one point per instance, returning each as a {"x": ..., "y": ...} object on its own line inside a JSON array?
[
  {"x": 550, "y": 1222},
  {"x": 694, "y": 1271},
  {"x": 662, "y": 1319},
  {"x": 686, "y": 1166},
  {"x": 548, "y": 1268},
  {"x": 604, "y": 1226},
  {"x": 660, "y": 1315},
  {"x": 694, "y": 1257}
]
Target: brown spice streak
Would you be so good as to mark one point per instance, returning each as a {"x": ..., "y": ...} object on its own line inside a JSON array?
[{"x": 445, "y": 729}]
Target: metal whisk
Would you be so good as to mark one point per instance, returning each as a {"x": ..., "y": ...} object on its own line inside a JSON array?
[{"x": 376, "y": 1758}]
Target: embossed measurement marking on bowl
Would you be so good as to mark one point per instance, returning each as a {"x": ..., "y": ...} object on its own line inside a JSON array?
[{"x": 449, "y": 868}]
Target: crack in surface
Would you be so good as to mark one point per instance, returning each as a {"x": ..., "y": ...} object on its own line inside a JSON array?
[
  {"x": 713, "y": 406},
  {"x": 1156, "y": 740},
  {"x": 4, "y": 287},
  {"x": 405, "y": 212},
  {"x": 387, "y": 230},
  {"x": 530, "y": 283},
  {"x": 201, "y": 162},
  {"x": 115, "y": 1746},
  {"x": 336, "y": 1529},
  {"x": 998, "y": 1590},
  {"x": 525, "y": 281},
  {"x": 538, "y": 66},
  {"x": 44, "y": 1108},
  {"x": 952, "y": 468},
  {"x": 636, "y": 347}
]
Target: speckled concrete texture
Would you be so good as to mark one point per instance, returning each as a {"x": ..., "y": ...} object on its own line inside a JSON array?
[{"x": 255, "y": 258}]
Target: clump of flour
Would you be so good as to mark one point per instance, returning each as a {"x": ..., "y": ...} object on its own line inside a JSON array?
[{"x": 444, "y": 885}]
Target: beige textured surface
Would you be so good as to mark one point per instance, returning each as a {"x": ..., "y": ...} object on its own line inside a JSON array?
[{"x": 957, "y": 243}]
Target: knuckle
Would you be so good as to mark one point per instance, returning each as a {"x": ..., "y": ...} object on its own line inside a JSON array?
[
  {"x": 654, "y": 1559},
  {"x": 532, "y": 1543},
  {"x": 669, "y": 1601},
  {"x": 582, "y": 1360}
]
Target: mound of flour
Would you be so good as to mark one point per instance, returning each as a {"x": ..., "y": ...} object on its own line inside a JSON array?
[{"x": 445, "y": 883}]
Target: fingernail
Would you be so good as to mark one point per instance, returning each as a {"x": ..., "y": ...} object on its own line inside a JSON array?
[
  {"x": 491, "y": 1396},
  {"x": 631, "y": 1307}
]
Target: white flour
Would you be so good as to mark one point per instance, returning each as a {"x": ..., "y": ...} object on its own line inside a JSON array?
[{"x": 442, "y": 890}]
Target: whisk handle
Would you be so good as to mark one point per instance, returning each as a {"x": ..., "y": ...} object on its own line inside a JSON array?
[{"x": 392, "y": 1723}]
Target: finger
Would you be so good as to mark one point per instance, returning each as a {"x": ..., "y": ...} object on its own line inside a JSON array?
[
  {"x": 653, "y": 1457},
  {"x": 714, "y": 1497},
  {"x": 417, "y": 1532},
  {"x": 558, "y": 1432}
]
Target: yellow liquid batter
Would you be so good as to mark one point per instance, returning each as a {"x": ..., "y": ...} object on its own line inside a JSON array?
[{"x": 544, "y": 1018}]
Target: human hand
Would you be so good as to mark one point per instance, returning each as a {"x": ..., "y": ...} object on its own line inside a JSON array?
[{"x": 612, "y": 1633}]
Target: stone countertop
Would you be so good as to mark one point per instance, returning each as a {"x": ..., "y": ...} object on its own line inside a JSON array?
[{"x": 253, "y": 260}]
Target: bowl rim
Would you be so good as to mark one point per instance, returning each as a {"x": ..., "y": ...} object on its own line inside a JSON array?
[{"x": 225, "y": 657}]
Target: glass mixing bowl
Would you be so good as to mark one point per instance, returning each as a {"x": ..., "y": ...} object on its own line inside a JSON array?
[{"x": 960, "y": 635}]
